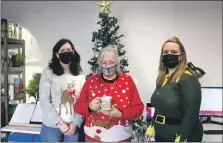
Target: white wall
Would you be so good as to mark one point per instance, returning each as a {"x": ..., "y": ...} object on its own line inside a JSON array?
[{"x": 145, "y": 24}]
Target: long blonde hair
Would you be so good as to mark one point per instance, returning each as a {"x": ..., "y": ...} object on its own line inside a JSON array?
[{"x": 162, "y": 71}]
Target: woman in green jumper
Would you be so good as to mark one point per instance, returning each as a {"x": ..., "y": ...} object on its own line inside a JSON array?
[{"x": 177, "y": 98}]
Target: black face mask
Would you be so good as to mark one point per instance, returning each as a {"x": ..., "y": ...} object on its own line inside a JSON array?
[
  {"x": 170, "y": 61},
  {"x": 66, "y": 57}
]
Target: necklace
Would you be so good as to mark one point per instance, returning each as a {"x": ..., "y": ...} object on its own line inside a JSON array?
[{"x": 105, "y": 93}]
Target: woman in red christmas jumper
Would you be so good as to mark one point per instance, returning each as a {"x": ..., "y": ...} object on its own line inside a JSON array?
[{"x": 114, "y": 125}]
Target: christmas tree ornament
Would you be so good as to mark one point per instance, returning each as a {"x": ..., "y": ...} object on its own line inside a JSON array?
[
  {"x": 96, "y": 56},
  {"x": 122, "y": 52},
  {"x": 99, "y": 48},
  {"x": 105, "y": 6},
  {"x": 125, "y": 59}
]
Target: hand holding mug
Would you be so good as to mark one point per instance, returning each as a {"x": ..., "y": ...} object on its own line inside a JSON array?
[
  {"x": 95, "y": 104},
  {"x": 113, "y": 113}
]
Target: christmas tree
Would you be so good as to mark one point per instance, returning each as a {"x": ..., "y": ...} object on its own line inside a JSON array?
[{"x": 106, "y": 35}]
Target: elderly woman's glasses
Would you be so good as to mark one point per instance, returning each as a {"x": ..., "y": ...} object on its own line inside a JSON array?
[{"x": 109, "y": 63}]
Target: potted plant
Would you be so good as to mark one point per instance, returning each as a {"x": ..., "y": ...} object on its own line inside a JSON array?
[
  {"x": 19, "y": 59},
  {"x": 16, "y": 59},
  {"x": 33, "y": 86}
]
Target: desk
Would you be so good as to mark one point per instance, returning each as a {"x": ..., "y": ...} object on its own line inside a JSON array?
[
  {"x": 29, "y": 130},
  {"x": 211, "y": 137}
]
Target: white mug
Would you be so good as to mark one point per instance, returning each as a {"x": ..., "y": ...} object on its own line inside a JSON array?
[{"x": 106, "y": 103}]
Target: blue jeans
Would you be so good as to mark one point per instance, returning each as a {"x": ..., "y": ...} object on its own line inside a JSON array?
[{"x": 49, "y": 134}]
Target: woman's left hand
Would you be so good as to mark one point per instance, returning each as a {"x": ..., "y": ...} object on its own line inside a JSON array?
[
  {"x": 72, "y": 129},
  {"x": 113, "y": 113}
]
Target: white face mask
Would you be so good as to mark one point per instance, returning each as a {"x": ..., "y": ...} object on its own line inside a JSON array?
[{"x": 108, "y": 71}]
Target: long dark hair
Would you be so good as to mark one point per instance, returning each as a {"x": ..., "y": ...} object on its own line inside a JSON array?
[{"x": 55, "y": 65}]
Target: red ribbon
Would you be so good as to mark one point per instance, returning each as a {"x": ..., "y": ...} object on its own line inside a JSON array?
[{"x": 72, "y": 93}]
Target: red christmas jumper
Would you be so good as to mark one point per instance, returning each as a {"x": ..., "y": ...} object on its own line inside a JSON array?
[{"x": 125, "y": 97}]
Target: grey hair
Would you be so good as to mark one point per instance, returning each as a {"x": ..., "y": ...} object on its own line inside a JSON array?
[{"x": 112, "y": 50}]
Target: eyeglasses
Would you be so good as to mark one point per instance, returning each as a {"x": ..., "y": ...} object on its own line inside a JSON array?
[{"x": 110, "y": 63}]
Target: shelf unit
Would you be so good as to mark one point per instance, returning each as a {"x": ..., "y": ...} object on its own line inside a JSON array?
[{"x": 6, "y": 45}]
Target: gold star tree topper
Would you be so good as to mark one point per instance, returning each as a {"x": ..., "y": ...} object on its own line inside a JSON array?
[{"x": 105, "y": 6}]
